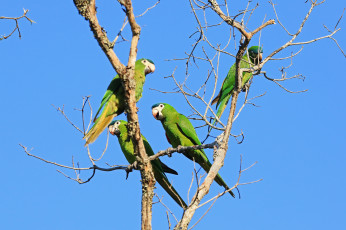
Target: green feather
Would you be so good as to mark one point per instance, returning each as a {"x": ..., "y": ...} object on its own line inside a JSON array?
[
  {"x": 227, "y": 87},
  {"x": 180, "y": 131},
  {"x": 113, "y": 103},
  {"x": 159, "y": 168}
]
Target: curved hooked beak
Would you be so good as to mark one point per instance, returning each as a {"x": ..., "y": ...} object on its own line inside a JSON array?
[
  {"x": 150, "y": 68},
  {"x": 113, "y": 130},
  {"x": 156, "y": 114},
  {"x": 260, "y": 57}
]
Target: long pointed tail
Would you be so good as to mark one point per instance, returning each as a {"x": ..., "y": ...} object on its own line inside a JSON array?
[
  {"x": 167, "y": 169},
  {"x": 163, "y": 181},
  {"x": 101, "y": 123},
  {"x": 216, "y": 99},
  {"x": 222, "y": 107},
  {"x": 218, "y": 179}
]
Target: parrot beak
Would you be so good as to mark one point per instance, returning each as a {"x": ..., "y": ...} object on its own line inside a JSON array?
[
  {"x": 260, "y": 57},
  {"x": 113, "y": 130},
  {"x": 157, "y": 114},
  {"x": 150, "y": 68}
]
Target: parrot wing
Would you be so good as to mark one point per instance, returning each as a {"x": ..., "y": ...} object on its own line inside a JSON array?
[
  {"x": 227, "y": 85},
  {"x": 186, "y": 128},
  {"x": 159, "y": 168},
  {"x": 112, "y": 88},
  {"x": 157, "y": 163},
  {"x": 169, "y": 141}
]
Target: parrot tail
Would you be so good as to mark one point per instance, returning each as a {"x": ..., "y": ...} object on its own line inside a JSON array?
[
  {"x": 221, "y": 109},
  {"x": 218, "y": 179},
  {"x": 167, "y": 169},
  {"x": 101, "y": 123},
  {"x": 222, "y": 106},
  {"x": 216, "y": 99},
  {"x": 163, "y": 181}
]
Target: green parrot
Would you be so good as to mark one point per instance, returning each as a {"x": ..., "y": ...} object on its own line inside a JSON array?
[
  {"x": 119, "y": 128},
  {"x": 113, "y": 103},
  {"x": 179, "y": 131},
  {"x": 255, "y": 57}
]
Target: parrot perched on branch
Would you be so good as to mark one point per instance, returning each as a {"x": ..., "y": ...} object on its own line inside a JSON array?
[
  {"x": 119, "y": 128},
  {"x": 221, "y": 100},
  {"x": 113, "y": 102},
  {"x": 179, "y": 131}
]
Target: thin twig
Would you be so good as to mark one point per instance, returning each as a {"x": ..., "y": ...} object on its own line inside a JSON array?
[
  {"x": 17, "y": 24},
  {"x": 160, "y": 201}
]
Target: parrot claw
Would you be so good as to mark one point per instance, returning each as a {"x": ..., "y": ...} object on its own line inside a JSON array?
[
  {"x": 135, "y": 165},
  {"x": 246, "y": 87}
]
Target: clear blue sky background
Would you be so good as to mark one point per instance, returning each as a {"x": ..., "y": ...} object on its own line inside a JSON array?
[{"x": 298, "y": 139}]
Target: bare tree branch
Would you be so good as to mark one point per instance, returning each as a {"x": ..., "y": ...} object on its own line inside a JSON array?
[
  {"x": 127, "y": 168},
  {"x": 198, "y": 54},
  {"x": 168, "y": 210},
  {"x": 61, "y": 110},
  {"x": 87, "y": 9},
  {"x": 181, "y": 149},
  {"x": 16, "y": 28}
]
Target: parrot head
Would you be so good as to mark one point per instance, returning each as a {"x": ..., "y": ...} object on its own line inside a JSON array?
[
  {"x": 114, "y": 127},
  {"x": 159, "y": 110},
  {"x": 255, "y": 53},
  {"x": 149, "y": 66}
]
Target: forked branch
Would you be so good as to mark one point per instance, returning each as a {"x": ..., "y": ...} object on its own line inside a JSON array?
[{"x": 16, "y": 28}]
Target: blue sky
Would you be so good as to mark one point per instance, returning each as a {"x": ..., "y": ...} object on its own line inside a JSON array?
[{"x": 297, "y": 139}]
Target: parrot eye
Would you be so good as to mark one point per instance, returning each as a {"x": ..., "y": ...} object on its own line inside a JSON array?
[
  {"x": 161, "y": 106},
  {"x": 118, "y": 122}
]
